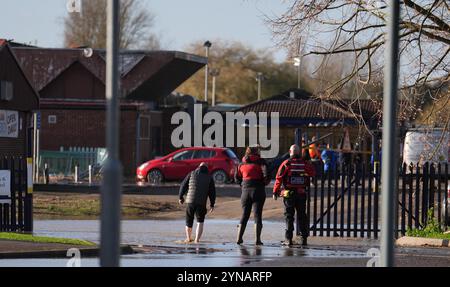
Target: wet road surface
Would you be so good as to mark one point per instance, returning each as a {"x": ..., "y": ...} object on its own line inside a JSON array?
[{"x": 160, "y": 244}]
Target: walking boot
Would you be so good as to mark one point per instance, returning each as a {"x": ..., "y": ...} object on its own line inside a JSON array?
[
  {"x": 304, "y": 241},
  {"x": 288, "y": 236},
  {"x": 241, "y": 230},
  {"x": 258, "y": 229}
]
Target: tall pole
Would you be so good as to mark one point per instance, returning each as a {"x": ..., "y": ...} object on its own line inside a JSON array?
[
  {"x": 213, "y": 101},
  {"x": 214, "y": 73},
  {"x": 259, "y": 78},
  {"x": 112, "y": 180},
  {"x": 299, "y": 62},
  {"x": 389, "y": 148},
  {"x": 207, "y": 45}
]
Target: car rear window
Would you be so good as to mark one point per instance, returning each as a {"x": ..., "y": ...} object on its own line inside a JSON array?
[{"x": 230, "y": 154}]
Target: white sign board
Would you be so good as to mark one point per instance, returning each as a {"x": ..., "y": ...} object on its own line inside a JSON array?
[
  {"x": 9, "y": 124},
  {"x": 5, "y": 186}
]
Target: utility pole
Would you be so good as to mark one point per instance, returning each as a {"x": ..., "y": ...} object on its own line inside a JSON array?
[
  {"x": 207, "y": 45},
  {"x": 259, "y": 79},
  {"x": 112, "y": 180},
  {"x": 214, "y": 74},
  {"x": 298, "y": 62},
  {"x": 389, "y": 150}
]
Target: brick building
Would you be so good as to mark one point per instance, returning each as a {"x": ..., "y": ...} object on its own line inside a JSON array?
[
  {"x": 71, "y": 84},
  {"x": 18, "y": 100}
]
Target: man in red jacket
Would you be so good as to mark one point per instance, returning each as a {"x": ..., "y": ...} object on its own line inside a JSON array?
[{"x": 291, "y": 182}]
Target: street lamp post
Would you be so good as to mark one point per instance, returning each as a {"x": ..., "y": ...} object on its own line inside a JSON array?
[
  {"x": 207, "y": 45},
  {"x": 390, "y": 151},
  {"x": 112, "y": 180},
  {"x": 214, "y": 74},
  {"x": 259, "y": 79}
]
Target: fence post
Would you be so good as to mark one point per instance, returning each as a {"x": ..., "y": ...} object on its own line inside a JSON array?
[
  {"x": 28, "y": 204},
  {"x": 76, "y": 174},
  {"x": 46, "y": 174},
  {"x": 90, "y": 174}
]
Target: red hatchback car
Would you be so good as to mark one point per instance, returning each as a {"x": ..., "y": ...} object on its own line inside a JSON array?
[{"x": 222, "y": 164}]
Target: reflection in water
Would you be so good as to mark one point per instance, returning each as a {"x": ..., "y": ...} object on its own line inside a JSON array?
[
  {"x": 289, "y": 251},
  {"x": 254, "y": 251}
]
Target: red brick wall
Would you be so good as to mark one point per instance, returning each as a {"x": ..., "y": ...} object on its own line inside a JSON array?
[{"x": 86, "y": 128}]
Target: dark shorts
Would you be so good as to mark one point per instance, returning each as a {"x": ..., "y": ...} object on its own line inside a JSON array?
[{"x": 196, "y": 210}]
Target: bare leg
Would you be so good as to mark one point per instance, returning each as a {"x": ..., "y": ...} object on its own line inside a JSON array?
[
  {"x": 198, "y": 232},
  {"x": 188, "y": 234}
]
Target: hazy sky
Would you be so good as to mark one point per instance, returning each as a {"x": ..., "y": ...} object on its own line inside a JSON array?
[{"x": 178, "y": 22}]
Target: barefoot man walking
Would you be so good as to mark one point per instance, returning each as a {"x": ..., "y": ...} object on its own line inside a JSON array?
[{"x": 198, "y": 185}]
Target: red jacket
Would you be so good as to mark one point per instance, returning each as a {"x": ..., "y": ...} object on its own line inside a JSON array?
[
  {"x": 253, "y": 169},
  {"x": 283, "y": 171}
]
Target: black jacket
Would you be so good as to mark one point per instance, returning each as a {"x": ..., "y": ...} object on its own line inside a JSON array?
[{"x": 198, "y": 185}]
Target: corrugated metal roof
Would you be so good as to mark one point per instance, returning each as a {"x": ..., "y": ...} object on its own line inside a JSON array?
[
  {"x": 298, "y": 109},
  {"x": 295, "y": 104}
]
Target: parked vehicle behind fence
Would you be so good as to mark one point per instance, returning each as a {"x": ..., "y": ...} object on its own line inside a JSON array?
[
  {"x": 222, "y": 164},
  {"x": 446, "y": 207},
  {"x": 426, "y": 145}
]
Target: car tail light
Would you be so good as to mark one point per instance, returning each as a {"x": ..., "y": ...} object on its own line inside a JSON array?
[{"x": 448, "y": 191}]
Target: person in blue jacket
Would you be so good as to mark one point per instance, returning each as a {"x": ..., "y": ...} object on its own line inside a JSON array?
[{"x": 329, "y": 158}]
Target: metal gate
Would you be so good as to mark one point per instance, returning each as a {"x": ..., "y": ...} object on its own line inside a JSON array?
[
  {"x": 345, "y": 202},
  {"x": 15, "y": 208}
]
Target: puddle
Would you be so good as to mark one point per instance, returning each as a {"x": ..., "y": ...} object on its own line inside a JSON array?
[{"x": 157, "y": 241}]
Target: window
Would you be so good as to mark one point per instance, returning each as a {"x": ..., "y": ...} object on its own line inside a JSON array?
[
  {"x": 6, "y": 91},
  {"x": 230, "y": 154},
  {"x": 184, "y": 155},
  {"x": 52, "y": 119},
  {"x": 203, "y": 153}
]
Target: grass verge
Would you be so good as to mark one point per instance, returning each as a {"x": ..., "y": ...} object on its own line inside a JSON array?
[
  {"x": 43, "y": 239},
  {"x": 425, "y": 234},
  {"x": 431, "y": 230}
]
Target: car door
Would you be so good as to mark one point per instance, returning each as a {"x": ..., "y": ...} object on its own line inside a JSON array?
[{"x": 179, "y": 165}]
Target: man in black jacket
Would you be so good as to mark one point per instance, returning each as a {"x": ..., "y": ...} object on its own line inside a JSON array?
[{"x": 198, "y": 185}]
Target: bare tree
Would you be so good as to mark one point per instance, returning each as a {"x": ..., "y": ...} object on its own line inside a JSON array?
[
  {"x": 357, "y": 29},
  {"x": 88, "y": 28}
]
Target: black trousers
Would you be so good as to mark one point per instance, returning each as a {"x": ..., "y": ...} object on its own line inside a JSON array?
[
  {"x": 292, "y": 205},
  {"x": 252, "y": 198}
]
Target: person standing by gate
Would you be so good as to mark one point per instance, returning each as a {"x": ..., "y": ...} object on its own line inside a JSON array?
[
  {"x": 292, "y": 176},
  {"x": 253, "y": 176},
  {"x": 329, "y": 161},
  {"x": 198, "y": 185}
]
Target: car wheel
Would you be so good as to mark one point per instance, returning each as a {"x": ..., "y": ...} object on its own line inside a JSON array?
[
  {"x": 219, "y": 177},
  {"x": 155, "y": 176}
]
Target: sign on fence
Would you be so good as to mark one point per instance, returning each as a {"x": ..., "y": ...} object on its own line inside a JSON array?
[
  {"x": 9, "y": 124},
  {"x": 5, "y": 186}
]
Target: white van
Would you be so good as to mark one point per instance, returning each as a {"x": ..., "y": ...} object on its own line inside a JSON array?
[{"x": 426, "y": 145}]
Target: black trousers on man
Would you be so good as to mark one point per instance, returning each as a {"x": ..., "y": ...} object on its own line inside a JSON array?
[{"x": 293, "y": 204}]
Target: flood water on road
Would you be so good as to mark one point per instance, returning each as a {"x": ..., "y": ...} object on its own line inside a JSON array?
[{"x": 161, "y": 242}]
